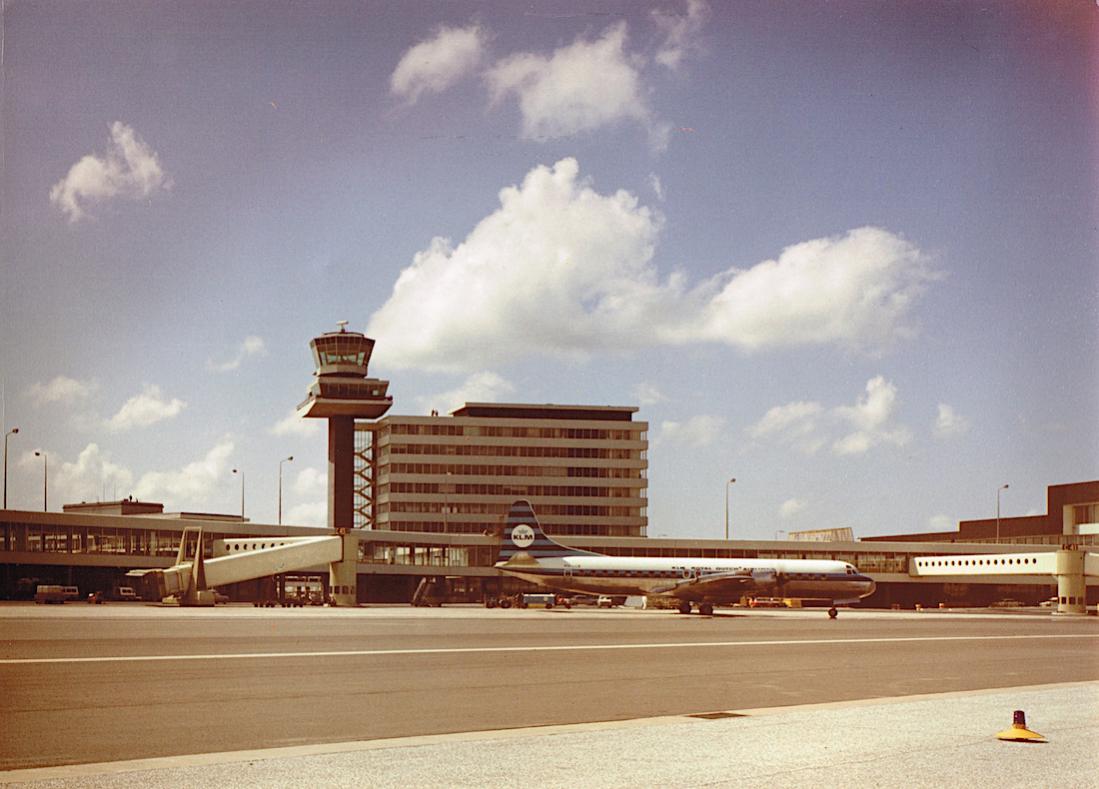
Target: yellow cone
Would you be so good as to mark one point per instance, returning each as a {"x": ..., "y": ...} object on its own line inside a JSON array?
[{"x": 1019, "y": 732}]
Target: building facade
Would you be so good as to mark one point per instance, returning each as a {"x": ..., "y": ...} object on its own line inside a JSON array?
[{"x": 583, "y": 468}]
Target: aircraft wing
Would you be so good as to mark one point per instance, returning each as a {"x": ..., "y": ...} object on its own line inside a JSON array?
[{"x": 710, "y": 586}]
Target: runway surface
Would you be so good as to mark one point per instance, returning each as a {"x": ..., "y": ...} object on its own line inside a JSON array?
[{"x": 89, "y": 684}]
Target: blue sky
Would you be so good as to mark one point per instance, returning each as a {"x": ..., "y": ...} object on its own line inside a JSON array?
[{"x": 844, "y": 252}]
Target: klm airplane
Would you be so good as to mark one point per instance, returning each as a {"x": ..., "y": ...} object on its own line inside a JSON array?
[{"x": 526, "y": 552}]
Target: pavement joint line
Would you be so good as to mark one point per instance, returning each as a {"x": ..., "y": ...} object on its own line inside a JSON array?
[
  {"x": 76, "y": 771},
  {"x": 545, "y": 648}
]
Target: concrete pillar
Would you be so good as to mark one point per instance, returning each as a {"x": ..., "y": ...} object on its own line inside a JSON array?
[
  {"x": 341, "y": 472},
  {"x": 1071, "y": 584},
  {"x": 342, "y": 574}
]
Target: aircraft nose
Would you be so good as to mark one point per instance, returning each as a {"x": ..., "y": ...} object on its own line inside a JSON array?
[{"x": 869, "y": 584}]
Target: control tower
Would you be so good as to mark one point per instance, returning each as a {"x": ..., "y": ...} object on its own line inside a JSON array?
[{"x": 342, "y": 393}]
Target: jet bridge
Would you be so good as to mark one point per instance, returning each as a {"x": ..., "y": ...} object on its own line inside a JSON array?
[
  {"x": 192, "y": 579},
  {"x": 1071, "y": 567}
]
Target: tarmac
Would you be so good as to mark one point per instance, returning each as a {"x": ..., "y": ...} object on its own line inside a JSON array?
[{"x": 936, "y": 740}]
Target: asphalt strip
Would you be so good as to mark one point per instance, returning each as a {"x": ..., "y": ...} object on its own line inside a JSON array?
[{"x": 81, "y": 772}]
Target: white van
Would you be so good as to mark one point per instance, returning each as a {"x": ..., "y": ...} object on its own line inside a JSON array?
[{"x": 49, "y": 593}]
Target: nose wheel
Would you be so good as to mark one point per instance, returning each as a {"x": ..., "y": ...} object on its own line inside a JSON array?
[
  {"x": 684, "y": 607},
  {"x": 833, "y": 613}
]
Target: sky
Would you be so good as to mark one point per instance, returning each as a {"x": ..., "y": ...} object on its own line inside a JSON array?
[{"x": 843, "y": 252}]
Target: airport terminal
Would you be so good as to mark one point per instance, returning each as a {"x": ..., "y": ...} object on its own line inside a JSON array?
[{"x": 417, "y": 499}]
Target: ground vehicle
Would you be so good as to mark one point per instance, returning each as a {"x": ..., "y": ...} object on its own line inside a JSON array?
[
  {"x": 538, "y": 601},
  {"x": 71, "y": 592},
  {"x": 123, "y": 593},
  {"x": 606, "y": 601},
  {"x": 96, "y": 597},
  {"x": 49, "y": 593},
  {"x": 766, "y": 602},
  {"x": 220, "y": 598}
]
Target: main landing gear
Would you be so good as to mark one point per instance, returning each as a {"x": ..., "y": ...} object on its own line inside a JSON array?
[
  {"x": 833, "y": 613},
  {"x": 706, "y": 609}
]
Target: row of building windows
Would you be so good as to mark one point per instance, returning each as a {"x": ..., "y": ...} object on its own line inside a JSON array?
[
  {"x": 466, "y": 470},
  {"x": 589, "y": 510},
  {"x": 575, "y": 491},
  {"x": 495, "y": 431},
  {"x": 479, "y": 527},
  {"x": 599, "y": 453},
  {"x": 35, "y": 538}
]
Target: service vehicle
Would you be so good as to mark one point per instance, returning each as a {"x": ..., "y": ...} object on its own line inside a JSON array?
[{"x": 49, "y": 593}]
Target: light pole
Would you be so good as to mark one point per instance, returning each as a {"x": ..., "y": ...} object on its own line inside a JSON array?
[
  {"x": 284, "y": 460},
  {"x": 11, "y": 432},
  {"x": 238, "y": 471},
  {"x": 1003, "y": 487},
  {"x": 727, "y": 485},
  {"x": 45, "y": 477}
]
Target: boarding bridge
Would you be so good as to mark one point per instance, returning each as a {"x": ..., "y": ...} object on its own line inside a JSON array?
[
  {"x": 193, "y": 578},
  {"x": 1072, "y": 569}
]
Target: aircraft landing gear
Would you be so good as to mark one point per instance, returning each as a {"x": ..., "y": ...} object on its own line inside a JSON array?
[
  {"x": 706, "y": 609},
  {"x": 833, "y": 613},
  {"x": 684, "y": 607}
]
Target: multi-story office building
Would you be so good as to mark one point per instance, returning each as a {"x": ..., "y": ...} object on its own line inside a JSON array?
[{"x": 584, "y": 468}]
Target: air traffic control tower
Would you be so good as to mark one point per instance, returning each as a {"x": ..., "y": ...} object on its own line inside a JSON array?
[{"x": 341, "y": 393}]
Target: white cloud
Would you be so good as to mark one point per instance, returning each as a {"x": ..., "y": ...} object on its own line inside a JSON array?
[
  {"x": 657, "y": 186},
  {"x": 251, "y": 346},
  {"x": 698, "y": 431},
  {"x": 584, "y": 86},
  {"x": 130, "y": 169},
  {"x": 680, "y": 32},
  {"x": 434, "y": 65},
  {"x": 648, "y": 394},
  {"x": 942, "y": 523},
  {"x": 145, "y": 409},
  {"x": 92, "y": 477},
  {"x": 483, "y": 387},
  {"x": 294, "y": 425},
  {"x": 61, "y": 390},
  {"x": 585, "y": 282},
  {"x": 311, "y": 482},
  {"x": 192, "y": 486},
  {"x": 314, "y": 513},
  {"x": 807, "y": 426},
  {"x": 871, "y": 416},
  {"x": 791, "y": 507},
  {"x": 949, "y": 423}
]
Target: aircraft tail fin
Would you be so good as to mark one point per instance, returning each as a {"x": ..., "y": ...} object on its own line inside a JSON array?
[{"x": 524, "y": 536}]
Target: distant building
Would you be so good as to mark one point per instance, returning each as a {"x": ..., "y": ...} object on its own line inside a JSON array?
[
  {"x": 1072, "y": 515},
  {"x": 843, "y": 534},
  {"x": 584, "y": 468}
]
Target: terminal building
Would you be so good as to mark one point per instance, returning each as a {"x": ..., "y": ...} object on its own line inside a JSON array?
[{"x": 423, "y": 497}]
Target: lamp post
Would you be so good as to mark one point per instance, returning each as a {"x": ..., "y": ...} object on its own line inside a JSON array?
[
  {"x": 238, "y": 471},
  {"x": 45, "y": 478},
  {"x": 284, "y": 460},
  {"x": 727, "y": 485},
  {"x": 1003, "y": 487},
  {"x": 11, "y": 432}
]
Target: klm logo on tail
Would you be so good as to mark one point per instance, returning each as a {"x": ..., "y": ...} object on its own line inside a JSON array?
[{"x": 523, "y": 536}]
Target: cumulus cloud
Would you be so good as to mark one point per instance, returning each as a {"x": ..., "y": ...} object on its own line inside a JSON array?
[
  {"x": 698, "y": 431},
  {"x": 852, "y": 430},
  {"x": 583, "y": 86},
  {"x": 949, "y": 423},
  {"x": 192, "y": 485},
  {"x": 482, "y": 387},
  {"x": 791, "y": 507},
  {"x": 871, "y": 417},
  {"x": 942, "y": 523},
  {"x": 311, "y": 482},
  {"x": 434, "y": 65},
  {"x": 680, "y": 32},
  {"x": 129, "y": 169},
  {"x": 145, "y": 409},
  {"x": 251, "y": 346},
  {"x": 585, "y": 281},
  {"x": 648, "y": 394},
  {"x": 61, "y": 389},
  {"x": 294, "y": 425},
  {"x": 313, "y": 513},
  {"x": 91, "y": 477}
]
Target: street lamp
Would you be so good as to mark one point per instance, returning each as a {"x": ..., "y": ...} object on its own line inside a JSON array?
[
  {"x": 1003, "y": 487},
  {"x": 727, "y": 484},
  {"x": 284, "y": 460},
  {"x": 45, "y": 476},
  {"x": 11, "y": 432},
  {"x": 238, "y": 471}
]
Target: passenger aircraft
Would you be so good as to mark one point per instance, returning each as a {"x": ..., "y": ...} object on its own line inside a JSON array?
[{"x": 526, "y": 552}]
